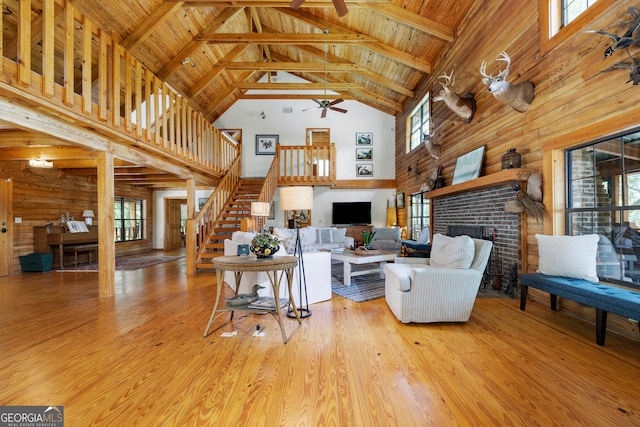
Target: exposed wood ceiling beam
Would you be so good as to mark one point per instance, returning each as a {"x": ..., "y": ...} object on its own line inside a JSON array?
[
  {"x": 384, "y": 7},
  {"x": 153, "y": 21},
  {"x": 194, "y": 44},
  {"x": 262, "y": 96},
  {"x": 362, "y": 71},
  {"x": 295, "y": 86},
  {"x": 210, "y": 76},
  {"x": 284, "y": 38},
  {"x": 378, "y": 47},
  {"x": 46, "y": 153}
]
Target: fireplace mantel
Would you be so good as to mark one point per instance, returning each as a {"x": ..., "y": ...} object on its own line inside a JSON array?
[{"x": 504, "y": 176}]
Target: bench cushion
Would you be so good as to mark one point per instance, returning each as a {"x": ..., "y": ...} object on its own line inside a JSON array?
[{"x": 623, "y": 302}]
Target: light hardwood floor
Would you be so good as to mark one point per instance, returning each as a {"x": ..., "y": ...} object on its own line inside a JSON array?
[{"x": 140, "y": 359}]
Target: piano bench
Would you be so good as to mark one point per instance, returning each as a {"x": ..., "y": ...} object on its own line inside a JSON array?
[{"x": 74, "y": 249}]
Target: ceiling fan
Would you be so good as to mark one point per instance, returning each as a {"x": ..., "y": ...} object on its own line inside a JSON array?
[
  {"x": 341, "y": 8},
  {"x": 326, "y": 104}
]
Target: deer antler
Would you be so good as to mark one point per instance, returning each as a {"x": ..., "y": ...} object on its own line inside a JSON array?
[
  {"x": 449, "y": 80},
  {"x": 483, "y": 71},
  {"x": 504, "y": 57}
]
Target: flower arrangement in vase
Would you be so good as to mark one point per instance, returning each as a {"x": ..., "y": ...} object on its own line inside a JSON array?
[{"x": 264, "y": 245}]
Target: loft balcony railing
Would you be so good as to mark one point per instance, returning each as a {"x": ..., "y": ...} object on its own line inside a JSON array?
[
  {"x": 60, "y": 61},
  {"x": 306, "y": 164}
]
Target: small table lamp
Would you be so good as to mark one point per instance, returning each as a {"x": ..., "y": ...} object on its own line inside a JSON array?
[
  {"x": 261, "y": 210},
  {"x": 88, "y": 216},
  {"x": 297, "y": 199}
]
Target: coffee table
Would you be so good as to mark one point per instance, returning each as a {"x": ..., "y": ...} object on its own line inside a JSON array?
[{"x": 350, "y": 260}]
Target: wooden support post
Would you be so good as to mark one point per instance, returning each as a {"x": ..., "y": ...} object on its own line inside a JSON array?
[
  {"x": 191, "y": 226},
  {"x": 106, "y": 234}
]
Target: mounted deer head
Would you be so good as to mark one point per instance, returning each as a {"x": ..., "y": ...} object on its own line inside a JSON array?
[
  {"x": 517, "y": 96},
  {"x": 464, "y": 107},
  {"x": 432, "y": 148}
]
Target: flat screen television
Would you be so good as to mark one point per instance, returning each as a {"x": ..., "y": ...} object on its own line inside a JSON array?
[{"x": 351, "y": 213}]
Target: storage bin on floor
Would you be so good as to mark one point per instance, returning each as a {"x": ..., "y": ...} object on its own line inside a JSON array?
[{"x": 36, "y": 262}]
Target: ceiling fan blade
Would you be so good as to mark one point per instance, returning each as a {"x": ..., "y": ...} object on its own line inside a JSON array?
[
  {"x": 295, "y": 4},
  {"x": 317, "y": 102},
  {"x": 336, "y": 101},
  {"x": 339, "y": 110},
  {"x": 324, "y": 113},
  {"x": 312, "y": 108},
  {"x": 341, "y": 8}
]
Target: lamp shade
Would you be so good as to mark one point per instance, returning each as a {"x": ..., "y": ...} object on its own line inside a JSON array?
[
  {"x": 392, "y": 217},
  {"x": 260, "y": 208},
  {"x": 88, "y": 213},
  {"x": 296, "y": 198}
]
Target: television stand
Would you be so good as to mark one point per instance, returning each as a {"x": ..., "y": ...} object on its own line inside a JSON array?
[{"x": 355, "y": 231}]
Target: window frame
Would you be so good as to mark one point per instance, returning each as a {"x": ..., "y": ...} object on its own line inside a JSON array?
[
  {"x": 426, "y": 100},
  {"x": 552, "y": 33},
  {"x": 140, "y": 221},
  {"x": 417, "y": 202},
  {"x": 618, "y": 210}
]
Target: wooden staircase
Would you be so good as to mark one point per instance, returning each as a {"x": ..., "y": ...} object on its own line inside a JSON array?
[{"x": 238, "y": 207}]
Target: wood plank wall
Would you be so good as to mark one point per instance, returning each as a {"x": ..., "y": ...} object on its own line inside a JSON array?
[
  {"x": 41, "y": 195},
  {"x": 574, "y": 102}
]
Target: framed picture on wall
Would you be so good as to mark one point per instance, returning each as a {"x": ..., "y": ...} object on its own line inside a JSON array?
[
  {"x": 266, "y": 144},
  {"x": 364, "y": 169},
  {"x": 364, "y": 153},
  {"x": 468, "y": 166},
  {"x": 201, "y": 203},
  {"x": 364, "y": 138},
  {"x": 400, "y": 200}
]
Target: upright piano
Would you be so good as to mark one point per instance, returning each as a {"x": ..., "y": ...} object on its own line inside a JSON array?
[{"x": 54, "y": 239}]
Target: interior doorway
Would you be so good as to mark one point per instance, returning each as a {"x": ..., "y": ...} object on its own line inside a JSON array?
[
  {"x": 6, "y": 226},
  {"x": 175, "y": 218}
]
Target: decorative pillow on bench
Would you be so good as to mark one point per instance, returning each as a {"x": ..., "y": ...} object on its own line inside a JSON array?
[{"x": 568, "y": 256}]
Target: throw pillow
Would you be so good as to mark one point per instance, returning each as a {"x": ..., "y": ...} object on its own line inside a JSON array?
[
  {"x": 568, "y": 256},
  {"x": 324, "y": 235},
  {"x": 283, "y": 233},
  {"x": 289, "y": 244},
  {"x": 339, "y": 235},
  {"x": 452, "y": 252},
  {"x": 424, "y": 236}
]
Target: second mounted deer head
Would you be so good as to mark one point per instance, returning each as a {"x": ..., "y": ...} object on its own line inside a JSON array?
[
  {"x": 464, "y": 107},
  {"x": 517, "y": 96},
  {"x": 432, "y": 148}
]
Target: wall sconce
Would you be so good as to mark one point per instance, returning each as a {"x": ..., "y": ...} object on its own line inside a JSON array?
[
  {"x": 40, "y": 163},
  {"x": 188, "y": 61},
  {"x": 88, "y": 216},
  {"x": 263, "y": 115}
]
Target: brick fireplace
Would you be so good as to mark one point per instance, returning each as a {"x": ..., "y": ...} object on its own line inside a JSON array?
[{"x": 484, "y": 208}]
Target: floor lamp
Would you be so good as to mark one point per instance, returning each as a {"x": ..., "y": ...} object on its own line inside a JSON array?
[
  {"x": 261, "y": 210},
  {"x": 298, "y": 199}
]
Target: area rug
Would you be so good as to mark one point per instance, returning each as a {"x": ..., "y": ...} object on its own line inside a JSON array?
[
  {"x": 363, "y": 288},
  {"x": 132, "y": 263}
]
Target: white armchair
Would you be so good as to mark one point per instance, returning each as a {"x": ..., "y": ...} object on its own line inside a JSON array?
[{"x": 417, "y": 291}]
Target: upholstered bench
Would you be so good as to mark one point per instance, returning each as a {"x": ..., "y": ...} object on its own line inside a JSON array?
[{"x": 604, "y": 298}]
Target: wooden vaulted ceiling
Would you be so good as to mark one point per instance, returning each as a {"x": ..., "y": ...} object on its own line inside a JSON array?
[
  {"x": 215, "y": 52},
  {"x": 377, "y": 53}
]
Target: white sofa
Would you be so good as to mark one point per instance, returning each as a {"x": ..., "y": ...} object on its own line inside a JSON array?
[
  {"x": 318, "y": 238},
  {"x": 317, "y": 266}
]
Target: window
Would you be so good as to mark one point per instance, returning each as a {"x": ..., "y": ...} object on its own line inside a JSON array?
[
  {"x": 572, "y": 8},
  {"x": 128, "y": 219},
  {"x": 560, "y": 19},
  {"x": 419, "y": 214},
  {"x": 603, "y": 197},
  {"x": 419, "y": 122}
]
